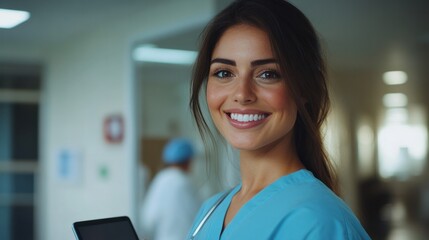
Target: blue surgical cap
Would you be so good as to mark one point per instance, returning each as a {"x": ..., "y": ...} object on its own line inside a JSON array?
[{"x": 178, "y": 150}]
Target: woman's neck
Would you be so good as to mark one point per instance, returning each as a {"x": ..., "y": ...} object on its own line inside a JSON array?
[{"x": 263, "y": 167}]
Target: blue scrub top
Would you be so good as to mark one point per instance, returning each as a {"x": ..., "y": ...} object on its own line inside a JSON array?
[{"x": 296, "y": 206}]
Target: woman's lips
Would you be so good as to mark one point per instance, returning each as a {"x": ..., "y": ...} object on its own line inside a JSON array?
[
  {"x": 246, "y": 120},
  {"x": 247, "y": 117}
]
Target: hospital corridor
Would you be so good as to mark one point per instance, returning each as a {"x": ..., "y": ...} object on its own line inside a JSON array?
[{"x": 95, "y": 111}]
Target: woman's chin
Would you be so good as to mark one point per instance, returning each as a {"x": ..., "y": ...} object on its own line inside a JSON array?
[{"x": 244, "y": 145}]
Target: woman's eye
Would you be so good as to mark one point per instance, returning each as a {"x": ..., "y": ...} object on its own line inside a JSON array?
[
  {"x": 269, "y": 75},
  {"x": 223, "y": 74}
]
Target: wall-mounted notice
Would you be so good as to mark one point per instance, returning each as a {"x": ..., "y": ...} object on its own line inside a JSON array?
[{"x": 69, "y": 162}]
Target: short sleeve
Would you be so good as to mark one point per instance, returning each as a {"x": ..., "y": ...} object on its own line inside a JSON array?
[{"x": 305, "y": 223}]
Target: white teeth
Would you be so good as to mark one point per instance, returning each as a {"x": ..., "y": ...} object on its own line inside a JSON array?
[{"x": 247, "y": 117}]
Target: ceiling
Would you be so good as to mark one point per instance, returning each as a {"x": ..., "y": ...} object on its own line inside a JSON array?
[
  {"x": 53, "y": 21},
  {"x": 357, "y": 34},
  {"x": 363, "y": 36},
  {"x": 368, "y": 32}
]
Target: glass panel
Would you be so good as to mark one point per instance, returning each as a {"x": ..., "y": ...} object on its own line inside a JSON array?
[
  {"x": 22, "y": 223},
  {"x": 16, "y": 183},
  {"x": 19, "y": 128},
  {"x": 23, "y": 183},
  {"x": 25, "y": 131},
  {"x": 17, "y": 222},
  {"x": 5, "y": 130},
  {"x": 5, "y": 184},
  {"x": 18, "y": 145},
  {"x": 5, "y": 222},
  {"x": 22, "y": 81}
]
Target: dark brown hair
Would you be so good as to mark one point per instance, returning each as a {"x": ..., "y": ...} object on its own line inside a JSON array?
[{"x": 296, "y": 46}]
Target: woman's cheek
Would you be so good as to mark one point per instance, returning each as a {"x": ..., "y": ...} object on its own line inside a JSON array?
[{"x": 214, "y": 96}]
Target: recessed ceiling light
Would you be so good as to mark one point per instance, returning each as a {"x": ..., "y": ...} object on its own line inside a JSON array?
[
  {"x": 11, "y": 18},
  {"x": 149, "y": 53},
  {"x": 395, "y": 77},
  {"x": 395, "y": 100},
  {"x": 397, "y": 115}
]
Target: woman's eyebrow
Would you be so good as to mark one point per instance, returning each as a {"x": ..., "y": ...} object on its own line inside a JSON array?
[
  {"x": 224, "y": 61},
  {"x": 253, "y": 63},
  {"x": 263, "y": 62}
]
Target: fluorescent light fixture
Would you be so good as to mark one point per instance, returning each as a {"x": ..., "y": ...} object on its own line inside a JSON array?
[
  {"x": 395, "y": 100},
  {"x": 397, "y": 115},
  {"x": 395, "y": 77},
  {"x": 149, "y": 53},
  {"x": 11, "y": 18},
  {"x": 402, "y": 150}
]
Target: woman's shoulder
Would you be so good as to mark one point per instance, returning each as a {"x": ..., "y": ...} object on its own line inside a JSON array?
[
  {"x": 311, "y": 195},
  {"x": 320, "y": 220},
  {"x": 305, "y": 201}
]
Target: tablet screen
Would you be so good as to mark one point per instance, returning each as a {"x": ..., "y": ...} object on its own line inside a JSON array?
[{"x": 106, "y": 229}]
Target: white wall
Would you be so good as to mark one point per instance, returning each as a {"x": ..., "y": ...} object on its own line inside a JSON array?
[
  {"x": 86, "y": 79},
  {"x": 165, "y": 111}
]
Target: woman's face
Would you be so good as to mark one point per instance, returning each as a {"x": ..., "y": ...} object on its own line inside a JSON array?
[{"x": 248, "y": 99}]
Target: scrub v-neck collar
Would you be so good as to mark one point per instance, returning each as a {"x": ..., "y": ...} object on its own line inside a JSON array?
[{"x": 257, "y": 200}]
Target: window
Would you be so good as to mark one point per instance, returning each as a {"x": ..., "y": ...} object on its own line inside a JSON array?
[{"x": 19, "y": 114}]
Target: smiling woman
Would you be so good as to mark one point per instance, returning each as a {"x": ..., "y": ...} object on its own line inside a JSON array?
[
  {"x": 245, "y": 84},
  {"x": 261, "y": 64}
]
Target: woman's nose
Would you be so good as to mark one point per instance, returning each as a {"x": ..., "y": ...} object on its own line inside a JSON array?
[{"x": 244, "y": 92}]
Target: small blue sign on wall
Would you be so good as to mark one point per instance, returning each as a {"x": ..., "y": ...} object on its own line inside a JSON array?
[{"x": 69, "y": 163}]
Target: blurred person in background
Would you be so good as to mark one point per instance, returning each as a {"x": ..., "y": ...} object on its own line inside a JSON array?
[{"x": 171, "y": 202}]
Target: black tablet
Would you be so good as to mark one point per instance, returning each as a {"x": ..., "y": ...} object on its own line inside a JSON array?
[{"x": 107, "y": 229}]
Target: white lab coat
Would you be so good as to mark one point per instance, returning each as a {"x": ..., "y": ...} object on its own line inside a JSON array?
[{"x": 170, "y": 206}]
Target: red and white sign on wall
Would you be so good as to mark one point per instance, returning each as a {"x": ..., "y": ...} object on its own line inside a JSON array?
[{"x": 114, "y": 128}]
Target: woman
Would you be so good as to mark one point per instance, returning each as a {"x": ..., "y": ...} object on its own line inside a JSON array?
[{"x": 261, "y": 66}]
